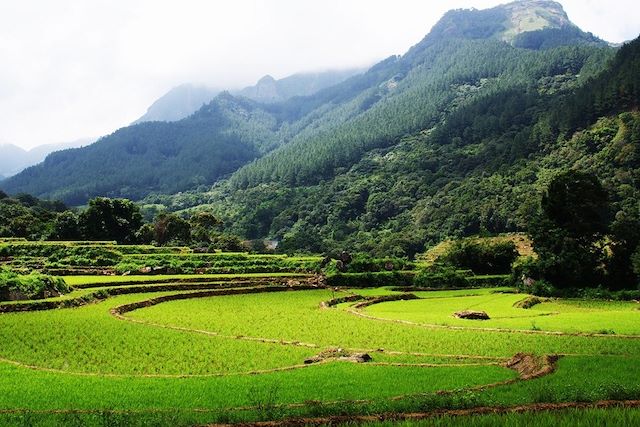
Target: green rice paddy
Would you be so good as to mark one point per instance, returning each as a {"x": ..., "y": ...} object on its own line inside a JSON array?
[{"x": 241, "y": 357}]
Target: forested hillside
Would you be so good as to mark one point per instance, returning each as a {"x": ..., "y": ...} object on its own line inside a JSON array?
[
  {"x": 155, "y": 156},
  {"x": 14, "y": 159},
  {"x": 469, "y": 54},
  {"x": 480, "y": 169}
]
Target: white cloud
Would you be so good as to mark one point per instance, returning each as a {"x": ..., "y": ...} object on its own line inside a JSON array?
[{"x": 75, "y": 68}]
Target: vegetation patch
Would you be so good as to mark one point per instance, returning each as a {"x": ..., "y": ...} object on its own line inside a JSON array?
[
  {"x": 529, "y": 302},
  {"x": 471, "y": 315},
  {"x": 530, "y": 366},
  {"x": 14, "y": 287},
  {"x": 339, "y": 354}
]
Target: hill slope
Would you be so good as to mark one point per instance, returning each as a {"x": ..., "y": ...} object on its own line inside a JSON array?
[
  {"x": 178, "y": 103},
  {"x": 479, "y": 169},
  {"x": 155, "y": 156}
]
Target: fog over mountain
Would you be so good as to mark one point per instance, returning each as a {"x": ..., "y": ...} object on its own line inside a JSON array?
[
  {"x": 14, "y": 159},
  {"x": 265, "y": 134},
  {"x": 184, "y": 100},
  {"x": 82, "y": 68}
]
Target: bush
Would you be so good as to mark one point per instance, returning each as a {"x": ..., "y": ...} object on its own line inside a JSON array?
[
  {"x": 440, "y": 277},
  {"x": 540, "y": 288},
  {"x": 525, "y": 271},
  {"x": 371, "y": 280},
  {"x": 481, "y": 256},
  {"x": 32, "y": 286},
  {"x": 227, "y": 243},
  {"x": 362, "y": 263}
]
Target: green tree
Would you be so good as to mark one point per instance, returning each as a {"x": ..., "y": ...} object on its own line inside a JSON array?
[
  {"x": 625, "y": 240},
  {"x": 170, "y": 227},
  {"x": 635, "y": 262},
  {"x": 568, "y": 232},
  {"x": 203, "y": 226},
  {"x": 66, "y": 227},
  {"x": 145, "y": 234},
  {"x": 482, "y": 257},
  {"x": 228, "y": 243},
  {"x": 111, "y": 219}
]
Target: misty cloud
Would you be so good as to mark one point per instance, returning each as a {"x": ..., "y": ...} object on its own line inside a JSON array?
[{"x": 75, "y": 68}]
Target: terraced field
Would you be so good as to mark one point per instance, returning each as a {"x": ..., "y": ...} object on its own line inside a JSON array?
[{"x": 183, "y": 350}]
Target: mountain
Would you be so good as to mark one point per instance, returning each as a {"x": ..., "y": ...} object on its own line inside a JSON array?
[
  {"x": 184, "y": 100},
  {"x": 270, "y": 90},
  {"x": 178, "y": 103},
  {"x": 480, "y": 168},
  {"x": 11, "y": 159},
  {"x": 14, "y": 159},
  {"x": 306, "y": 169},
  {"x": 531, "y": 24},
  {"x": 155, "y": 156}
]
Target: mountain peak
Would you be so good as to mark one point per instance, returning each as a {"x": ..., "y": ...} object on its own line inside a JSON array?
[
  {"x": 533, "y": 15},
  {"x": 534, "y": 24},
  {"x": 268, "y": 79}
]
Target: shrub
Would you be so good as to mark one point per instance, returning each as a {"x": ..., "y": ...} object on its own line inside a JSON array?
[
  {"x": 362, "y": 263},
  {"x": 481, "y": 256},
  {"x": 227, "y": 243},
  {"x": 525, "y": 271},
  {"x": 371, "y": 280},
  {"x": 32, "y": 286},
  {"x": 440, "y": 277},
  {"x": 541, "y": 288}
]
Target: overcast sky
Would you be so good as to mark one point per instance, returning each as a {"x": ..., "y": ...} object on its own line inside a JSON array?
[{"x": 77, "y": 68}]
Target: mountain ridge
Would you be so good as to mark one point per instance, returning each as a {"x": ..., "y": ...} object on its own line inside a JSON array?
[
  {"x": 334, "y": 127},
  {"x": 14, "y": 159},
  {"x": 184, "y": 100}
]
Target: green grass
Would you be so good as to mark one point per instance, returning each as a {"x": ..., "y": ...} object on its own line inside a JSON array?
[
  {"x": 296, "y": 316},
  {"x": 559, "y": 315},
  {"x": 57, "y": 391},
  {"x": 88, "y": 339},
  {"x": 190, "y": 361}
]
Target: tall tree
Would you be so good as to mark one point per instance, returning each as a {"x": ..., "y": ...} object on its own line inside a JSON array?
[
  {"x": 568, "y": 232},
  {"x": 111, "y": 219},
  {"x": 171, "y": 228}
]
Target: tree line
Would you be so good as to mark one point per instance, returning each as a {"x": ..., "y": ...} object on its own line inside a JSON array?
[{"x": 106, "y": 219}]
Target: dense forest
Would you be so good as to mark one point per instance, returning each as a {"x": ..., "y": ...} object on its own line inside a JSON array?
[
  {"x": 479, "y": 170},
  {"x": 457, "y": 137}
]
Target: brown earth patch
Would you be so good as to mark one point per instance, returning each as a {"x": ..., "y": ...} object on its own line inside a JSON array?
[
  {"x": 529, "y": 302},
  {"x": 471, "y": 315},
  {"x": 530, "y": 366},
  {"x": 484, "y": 410},
  {"x": 338, "y": 354}
]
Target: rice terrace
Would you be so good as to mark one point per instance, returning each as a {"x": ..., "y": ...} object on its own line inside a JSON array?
[
  {"x": 255, "y": 338},
  {"x": 318, "y": 213}
]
